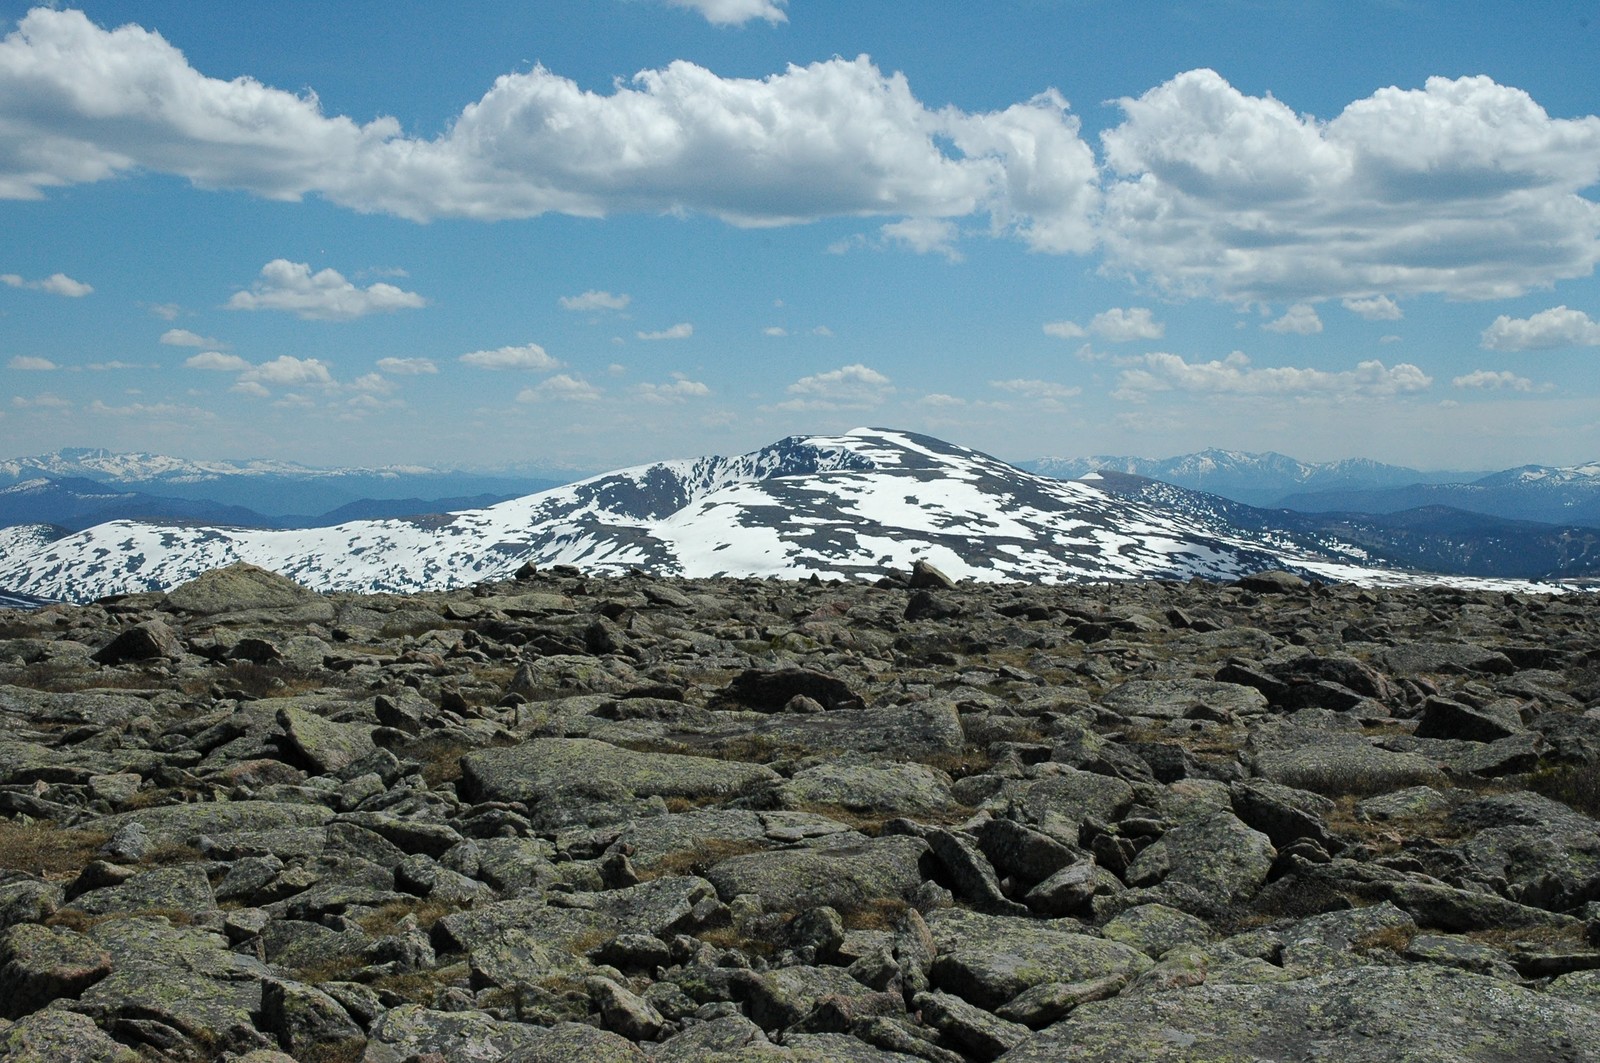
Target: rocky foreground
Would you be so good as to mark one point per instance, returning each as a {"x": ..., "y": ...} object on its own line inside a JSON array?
[{"x": 570, "y": 818}]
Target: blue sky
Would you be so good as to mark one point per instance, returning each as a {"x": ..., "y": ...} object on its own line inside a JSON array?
[{"x": 599, "y": 232}]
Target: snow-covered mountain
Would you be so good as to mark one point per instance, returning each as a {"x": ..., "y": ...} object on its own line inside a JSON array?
[
  {"x": 854, "y": 505},
  {"x": 1255, "y": 479},
  {"x": 284, "y": 493}
]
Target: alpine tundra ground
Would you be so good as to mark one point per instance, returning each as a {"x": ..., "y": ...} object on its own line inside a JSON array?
[{"x": 564, "y": 817}]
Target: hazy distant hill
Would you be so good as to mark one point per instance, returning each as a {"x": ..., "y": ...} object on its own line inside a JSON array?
[
  {"x": 271, "y": 489},
  {"x": 1255, "y": 479},
  {"x": 1569, "y": 495},
  {"x": 1427, "y": 539}
]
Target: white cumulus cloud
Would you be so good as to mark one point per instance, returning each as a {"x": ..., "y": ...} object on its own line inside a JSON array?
[
  {"x": 32, "y": 364},
  {"x": 1065, "y": 330},
  {"x": 1464, "y": 187},
  {"x": 528, "y": 356},
  {"x": 848, "y": 387},
  {"x": 322, "y": 296},
  {"x": 182, "y": 337},
  {"x": 1375, "y": 308},
  {"x": 560, "y": 388},
  {"x": 1123, "y": 325},
  {"x": 678, "y": 390},
  {"x": 286, "y": 371},
  {"x": 735, "y": 12},
  {"x": 681, "y": 331},
  {"x": 55, "y": 284},
  {"x": 1546, "y": 330},
  {"x": 1490, "y": 380},
  {"x": 217, "y": 361},
  {"x": 837, "y": 138},
  {"x": 595, "y": 300},
  {"x": 1234, "y": 375},
  {"x": 1301, "y": 320}
]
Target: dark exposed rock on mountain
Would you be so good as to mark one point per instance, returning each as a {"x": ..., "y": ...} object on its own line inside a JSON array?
[{"x": 634, "y": 818}]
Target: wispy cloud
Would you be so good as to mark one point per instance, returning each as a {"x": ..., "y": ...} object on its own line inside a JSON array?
[
  {"x": 681, "y": 331},
  {"x": 1037, "y": 389},
  {"x": 1234, "y": 375},
  {"x": 678, "y": 390},
  {"x": 407, "y": 366},
  {"x": 595, "y": 300},
  {"x": 31, "y": 364},
  {"x": 1502, "y": 380}
]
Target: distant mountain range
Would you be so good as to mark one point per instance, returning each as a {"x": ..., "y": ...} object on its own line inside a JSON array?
[
  {"x": 854, "y": 506},
  {"x": 1425, "y": 539},
  {"x": 79, "y": 487},
  {"x": 1565, "y": 496}
]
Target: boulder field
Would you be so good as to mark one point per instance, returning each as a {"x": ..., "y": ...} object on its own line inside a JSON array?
[{"x": 565, "y": 817}]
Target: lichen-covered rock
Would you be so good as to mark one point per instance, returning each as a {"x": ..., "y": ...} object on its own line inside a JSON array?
[
  {"x": 1171, "y": 699},
  {"x": 987, "y": 959},
  {"x": 39, "y": 964},
  {"x": 1215, "y": 859},
  {"x": 1155, "y": 928},
  {"x": 55, "y": 1035},
  {"x": 577, "y": 769},
  {"x": 1367, "y": 1014},
  {"x": 847, "y": 876},
  {"x": 871, "y": 787}
]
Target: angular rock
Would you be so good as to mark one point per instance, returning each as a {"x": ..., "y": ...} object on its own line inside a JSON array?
[
  {"x": 987, "y": 960},
  {"x": 1369, "y": 1014},
  {"x": 846, "y": 876},
  {"x": 39, "y": 964}
]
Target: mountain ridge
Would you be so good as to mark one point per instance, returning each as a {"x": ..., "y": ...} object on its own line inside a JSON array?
[{"x": 852, "y": 505}]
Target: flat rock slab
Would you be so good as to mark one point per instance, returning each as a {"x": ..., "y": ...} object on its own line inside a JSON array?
[
  {"x": 410, "y": 1031},
  {"x": 871, "y": 787},
  {"x": 709, "y": 836},
  {"x": 989, "y": 959},
  {"x": 1171, "y": 699},
  {"x": 183, "y": 823},
  {"x": 1346, "y": 764},
  {"x": 1375, "y": 1014},
  {"x": 569, "y": 768},
  {"x": 847, "y": 877},
  {"x": 1059, "y": 798},
  {"x": 921, "y": 729}
]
